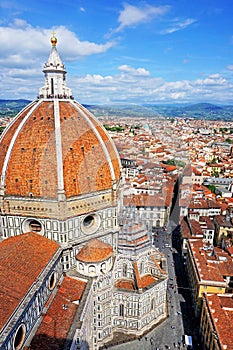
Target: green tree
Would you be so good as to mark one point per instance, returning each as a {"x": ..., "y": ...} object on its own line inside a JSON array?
[
  {"x": 2, "y": 129},
  {"x": 228, "y": 140},
  {"x": 212, "y": 188}
]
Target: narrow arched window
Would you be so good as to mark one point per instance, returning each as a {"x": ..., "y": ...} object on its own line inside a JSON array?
[
  {"x": 153, "y": 304},
  {"x": 124, "y": 270},
  {"x": 141, "y": 267},
  {"x": 121, "y": 310},
  {"x": 91, "y": 269}
]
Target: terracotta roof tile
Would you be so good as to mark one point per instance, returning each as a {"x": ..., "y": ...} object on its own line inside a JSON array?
[
  {"x": 95, "y": 251},
  {"x": 147, "y": 280},
  {"x": 125, "y": 284}
]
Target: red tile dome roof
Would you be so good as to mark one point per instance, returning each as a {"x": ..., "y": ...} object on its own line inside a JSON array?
[{"x": 39, "y": 157}]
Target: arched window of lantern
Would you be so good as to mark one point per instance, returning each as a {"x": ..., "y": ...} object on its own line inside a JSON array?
[
  {"x": 121, "y": 310},
  {"x": 124, "y": 272}
]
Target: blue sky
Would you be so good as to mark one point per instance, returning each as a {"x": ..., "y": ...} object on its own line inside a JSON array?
[{"x": 153, "y": 51}]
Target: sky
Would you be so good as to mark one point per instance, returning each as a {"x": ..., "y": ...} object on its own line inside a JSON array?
[{"x": 134, "y": 52}]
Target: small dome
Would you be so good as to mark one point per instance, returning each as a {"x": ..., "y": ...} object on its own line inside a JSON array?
[{"x": 95, "y": 251}]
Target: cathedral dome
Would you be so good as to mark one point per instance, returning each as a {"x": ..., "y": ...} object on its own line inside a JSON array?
[{"x": 55, "y": 148}]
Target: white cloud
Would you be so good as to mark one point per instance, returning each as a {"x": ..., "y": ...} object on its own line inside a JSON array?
[
  {"x": 230, "y": 67},
  {"x": 213, "y": 79},
  {"x": 134, "y": 71},
  {"x": 179, "y": 26},
  {"x": 26, "y": 44},
  {"x": 132, "y": 15},
  {"x": 127, "y": 87}
]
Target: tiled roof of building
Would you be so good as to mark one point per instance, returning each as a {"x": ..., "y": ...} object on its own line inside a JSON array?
[
  {"x": 184, "y": 228},
  {"x": 196, "y": 229},
  {"x": 221, "y": 307},
  {"x": 147, "y": 280},
  {"x": 125, "y": 284},
  {"x": 221, "y": 221},
  {"x": 156, "y": 200},
  {"x": 54, "y": 329},
  {"x": 22, "y": 259},
  {"x": 95, "y": 251},
  {"x": 207, "y": 262}
]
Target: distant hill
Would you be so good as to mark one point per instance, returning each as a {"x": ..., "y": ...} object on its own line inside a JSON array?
[
  {"x": 204, "y": 106},
  {"x": 198, "y": 110},
  {"x": 13, "y": 102},
  {"x": 11, "y": 107}
]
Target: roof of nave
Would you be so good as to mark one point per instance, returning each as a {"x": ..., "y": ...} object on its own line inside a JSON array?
[
  {"x": 55, "y": 146},
  {"x": 56, "y": 324},
  {"x": 95, "y": 251},
  {"x": 22, "y": 259}
]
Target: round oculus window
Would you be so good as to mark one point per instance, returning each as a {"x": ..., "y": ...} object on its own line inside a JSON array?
[
  {"x": 32, "y": 225},
  {"x": 19, "y": 337},
  {"x": 90, "y": 223},
  {"x": 52, "y": 281}
]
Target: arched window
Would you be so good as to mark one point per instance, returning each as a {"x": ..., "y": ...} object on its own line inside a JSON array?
[
  {"x": 153, "y": 304},
  {"x": 52, "y": 281},
  {"x": 81, "y": 267},
  {"x": 35, "y": 226},
  {"x": 124, "y": 270},
  {"x": 121, "y": 310},
  {"x": 141, "y": 267},
  {"x": 103, "y": 267},
  {"x": 91, "y": 269}
]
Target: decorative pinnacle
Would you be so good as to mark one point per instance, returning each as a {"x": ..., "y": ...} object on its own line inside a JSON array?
[{"x": 53, "y": 39}]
